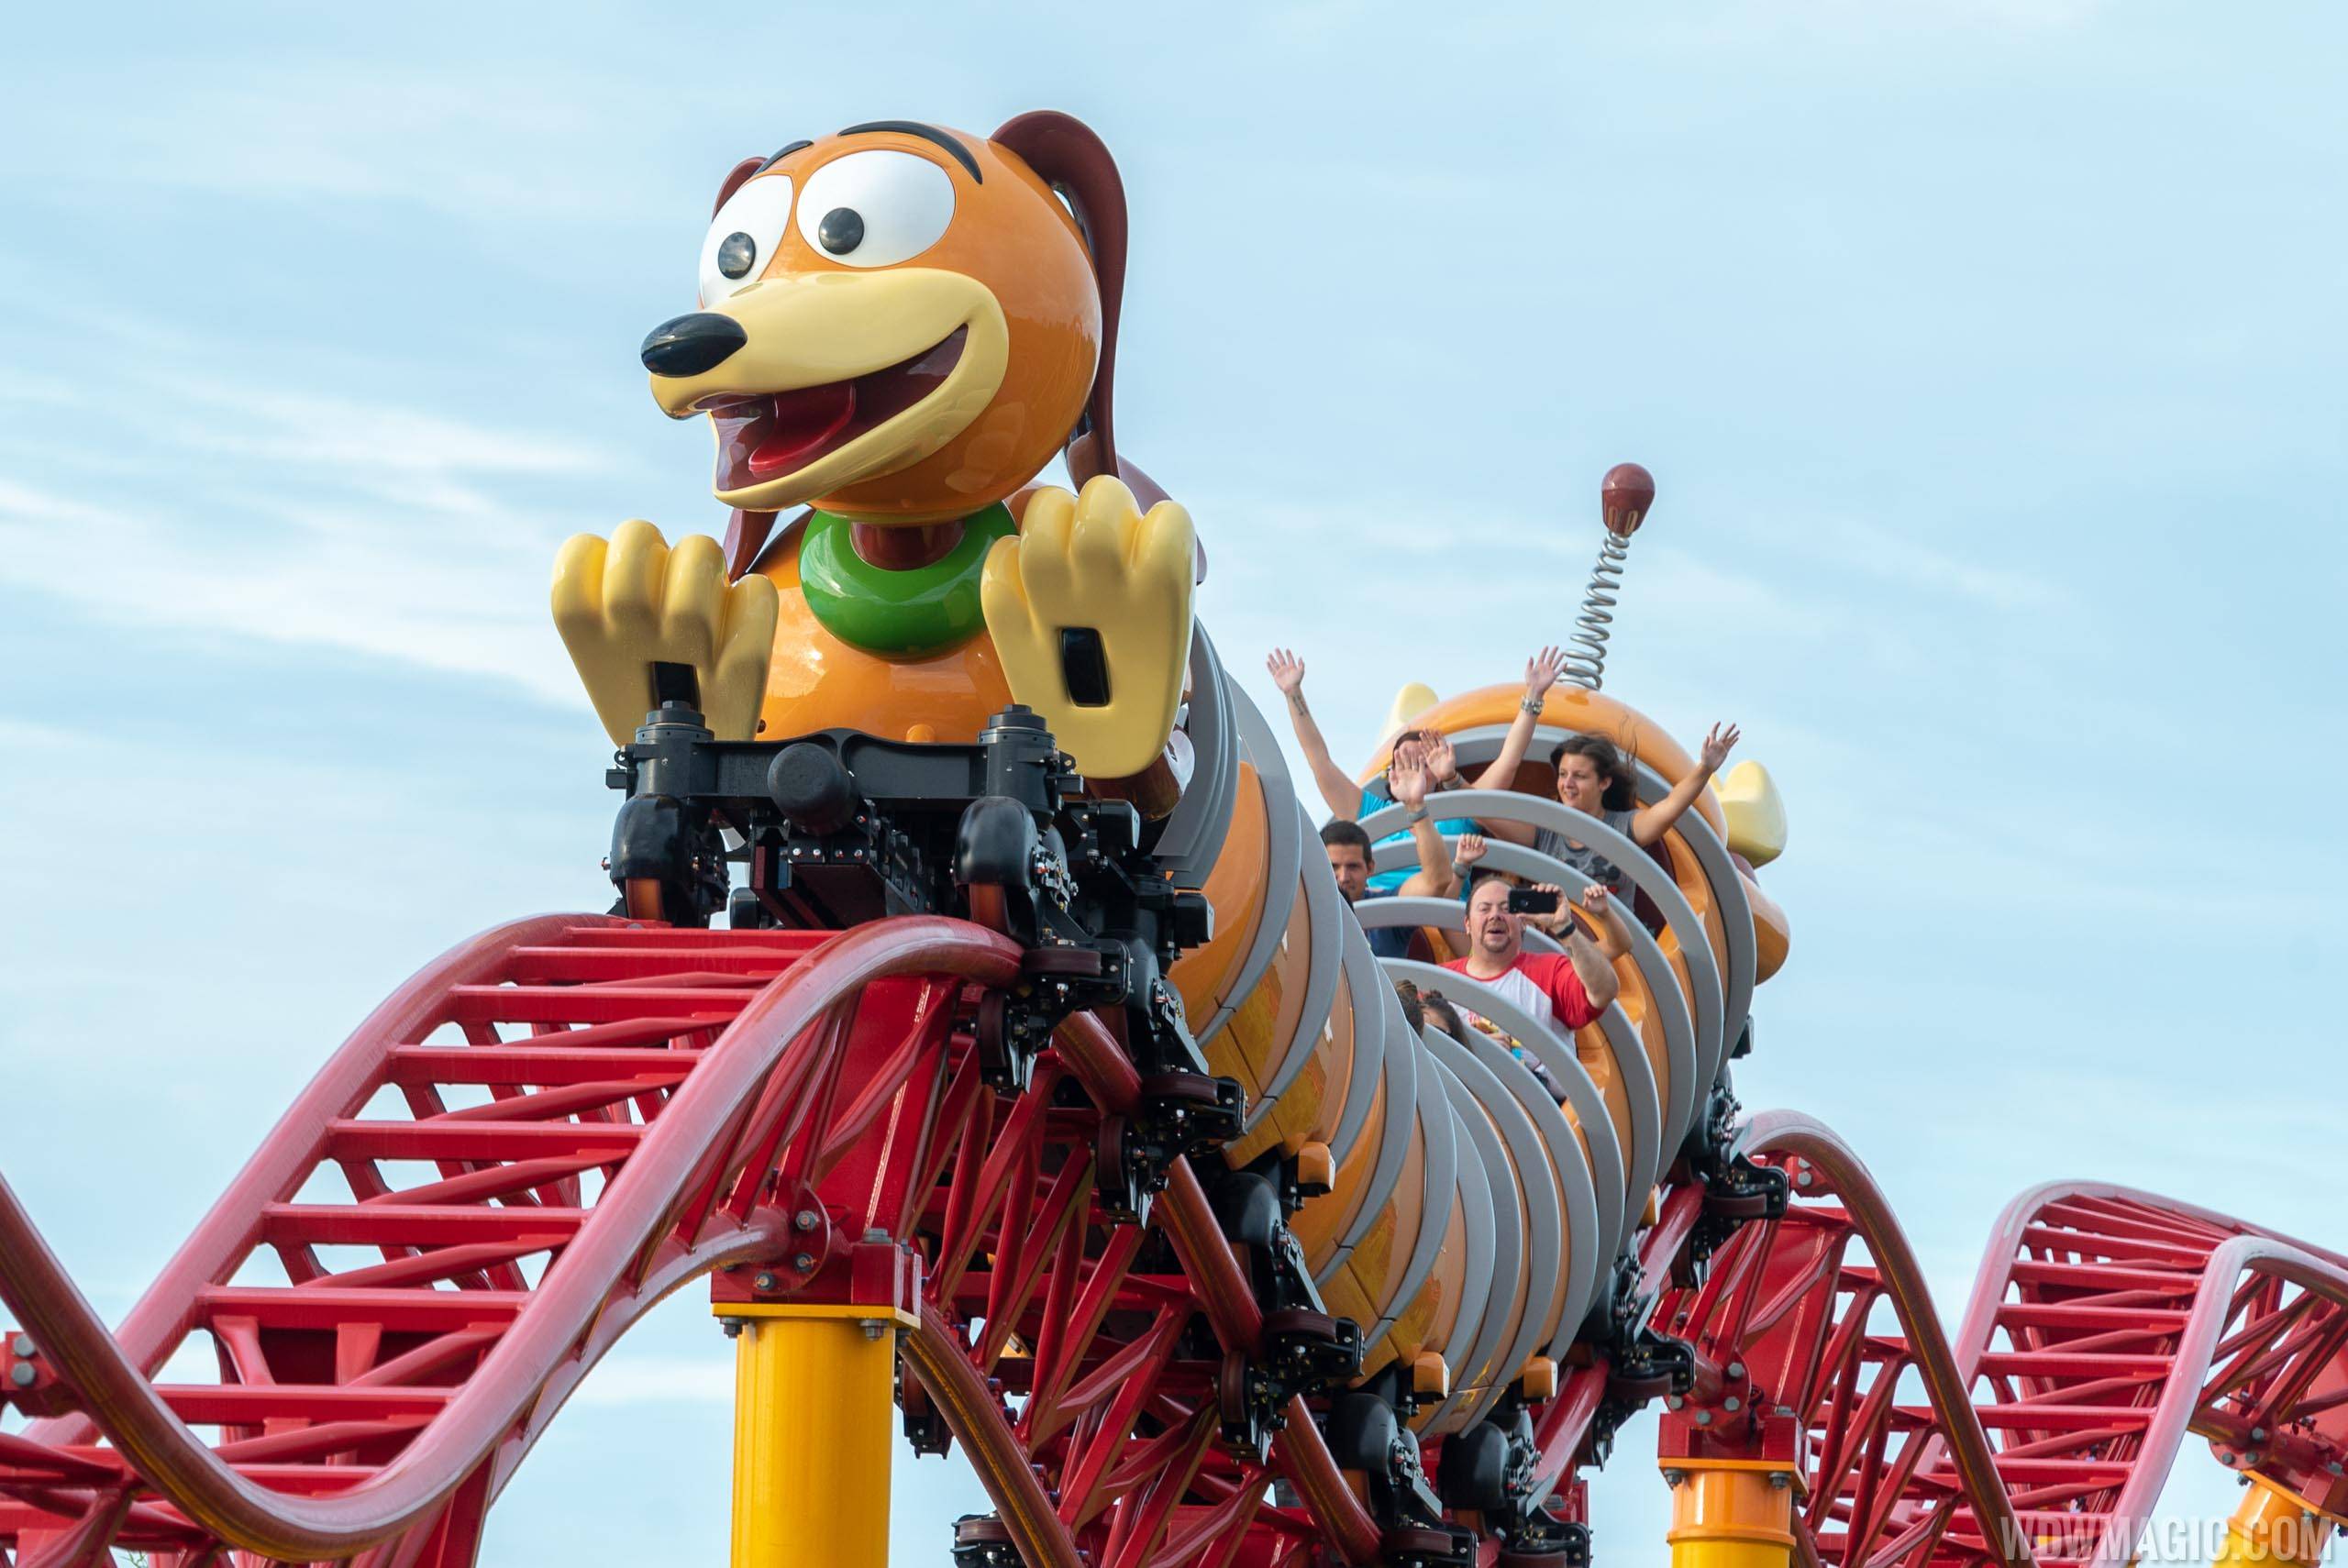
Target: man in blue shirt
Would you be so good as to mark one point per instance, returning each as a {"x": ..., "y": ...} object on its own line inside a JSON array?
[{"x": 1348, "y": 849}]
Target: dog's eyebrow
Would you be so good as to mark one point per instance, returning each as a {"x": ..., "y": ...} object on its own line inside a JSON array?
[
  {"x": 928, "y": 133},
  {"x": 781, "y": 155}
]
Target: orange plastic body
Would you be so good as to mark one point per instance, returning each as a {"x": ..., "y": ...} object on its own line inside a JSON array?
[{"x": 818, "y": 682}]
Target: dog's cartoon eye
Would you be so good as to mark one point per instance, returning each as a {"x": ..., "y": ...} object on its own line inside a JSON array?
[
  {"x": 841, "y": 231},
  {"x": 743, "y": 235},
  {"x": 870, "y": 209}
]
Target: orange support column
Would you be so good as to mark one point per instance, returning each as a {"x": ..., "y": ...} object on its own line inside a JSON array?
[
  {"x": 1731, "y": 1513},
  {"x": 2274, "y": 1529}
]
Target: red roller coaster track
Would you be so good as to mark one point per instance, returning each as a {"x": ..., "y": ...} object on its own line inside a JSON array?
[
  {"x": 564, "y": 1119},
  {"x": 2105, "y": 1325}
]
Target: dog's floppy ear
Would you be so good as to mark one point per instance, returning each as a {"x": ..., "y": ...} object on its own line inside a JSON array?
[
  {"x": 740, "y": 172},
  {"x": 1067, "y": 156}
]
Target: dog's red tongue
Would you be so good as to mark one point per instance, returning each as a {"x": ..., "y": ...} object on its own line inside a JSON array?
[{"x": 801, "y": 421}]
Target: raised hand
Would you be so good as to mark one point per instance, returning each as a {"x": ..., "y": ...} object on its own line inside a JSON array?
[
  {"x": 1407, "y": 778},
  {"x": 1288, "y": 671},
  {"x": 1717, "y": 744},
  {"x": 1542, "y": 670},
  {"x": 1597, "y": 899},
  {"x": 1441, "y": 763},
  {"x": 1469, "y": 850}
]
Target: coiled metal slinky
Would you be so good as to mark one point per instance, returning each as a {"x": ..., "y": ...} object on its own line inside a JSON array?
[{"x": 1625, "y": 496}]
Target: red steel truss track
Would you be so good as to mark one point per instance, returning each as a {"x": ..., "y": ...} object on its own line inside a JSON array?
[
  {"x": 557, "y": 1123},
  {"x": 2105, "y": 1325},
  {"x": 564, "y": 1119}
]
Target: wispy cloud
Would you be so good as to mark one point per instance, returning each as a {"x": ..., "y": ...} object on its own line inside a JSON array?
[
  {"x": 2026, "y": 13},
  {"x": 483, "y": 143},
  {"x": 379, "y": 583},
  {"x": 1750, "y": 21},
  {"x": 366, "y": 440},
  {"x": 290, "y": 514},
  {"x": 1904, "y": 562}
]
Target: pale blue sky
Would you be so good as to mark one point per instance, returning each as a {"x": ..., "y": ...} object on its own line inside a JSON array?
[{"x": 1988, "y": 353}]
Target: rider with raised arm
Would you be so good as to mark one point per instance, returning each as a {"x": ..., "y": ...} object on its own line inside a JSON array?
[
  {"x": 1348, "y": 849},
  {"x": 1336, "y": 786},
  {"x": 1598, "y": 781},
  {"x": 1348, "y": 801}
]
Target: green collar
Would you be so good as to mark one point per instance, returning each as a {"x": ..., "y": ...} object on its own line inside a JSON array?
[{"x": 901, "y": 615}]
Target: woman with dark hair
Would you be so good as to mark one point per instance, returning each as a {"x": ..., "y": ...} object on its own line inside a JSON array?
[
  {"x": 1444, "y": 1016},
  {"x": 1598, "y": 781}
]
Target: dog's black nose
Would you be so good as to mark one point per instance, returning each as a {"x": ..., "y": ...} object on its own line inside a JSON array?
[{"x": 692, "y": 344}]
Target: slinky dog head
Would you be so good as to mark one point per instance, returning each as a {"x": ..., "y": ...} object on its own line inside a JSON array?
[{"x": 901, "y": 323}]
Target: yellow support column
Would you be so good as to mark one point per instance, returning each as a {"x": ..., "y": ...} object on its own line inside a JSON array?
[
  {"x": 2273, "y": 1528},
  {"x": 1731, "y": 1513},
  {"x": 814, "y": 1429}
]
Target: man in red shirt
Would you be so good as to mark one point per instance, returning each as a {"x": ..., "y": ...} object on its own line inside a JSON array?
[{"x": 1570, "y": 987}]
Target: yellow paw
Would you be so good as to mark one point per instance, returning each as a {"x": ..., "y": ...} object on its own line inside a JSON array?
[
  {"x": 1756, "y": 816},
  {"x": 1089, "y": 608},
  {"x": 626, "y": 606},
  {"x": 1415, "y": 698}
]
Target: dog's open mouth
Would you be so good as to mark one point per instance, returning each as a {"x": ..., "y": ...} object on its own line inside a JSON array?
[{"x": 767, "y": 435}]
